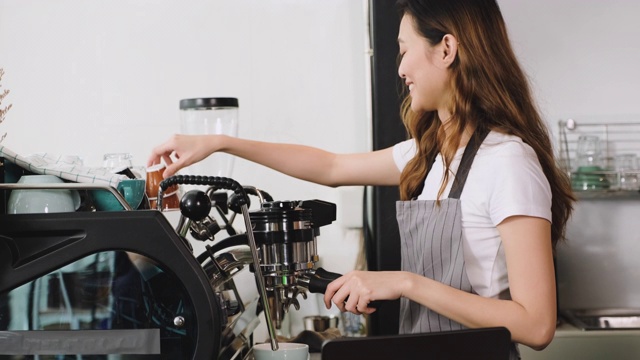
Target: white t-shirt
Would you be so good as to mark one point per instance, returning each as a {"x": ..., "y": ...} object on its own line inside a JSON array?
[{"x": 505, "y": 180}]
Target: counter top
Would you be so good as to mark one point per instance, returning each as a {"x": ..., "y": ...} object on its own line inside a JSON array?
[
  {"x": 567, "y": 330},
  {"x": 571, "y": 343}
]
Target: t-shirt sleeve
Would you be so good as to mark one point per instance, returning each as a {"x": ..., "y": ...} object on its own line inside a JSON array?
[
  {"x": 403, "y": 152},
  {"x": 520, "y": 186}
]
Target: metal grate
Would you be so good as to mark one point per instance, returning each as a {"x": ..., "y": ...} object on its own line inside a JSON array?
[
  {"x": 617, "y": 136},
  {"x": 620, "y": 137}
]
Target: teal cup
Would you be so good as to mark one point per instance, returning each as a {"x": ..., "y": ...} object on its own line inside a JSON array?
[{"x": 132, "y": 190}]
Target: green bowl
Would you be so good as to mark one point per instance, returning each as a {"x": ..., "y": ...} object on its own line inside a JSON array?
[
  {"x": 590, "y": 178},
  {"x": 131, "y": 189}
]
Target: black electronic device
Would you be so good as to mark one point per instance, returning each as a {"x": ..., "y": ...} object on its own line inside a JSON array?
[{"x": 477, "y": 344}]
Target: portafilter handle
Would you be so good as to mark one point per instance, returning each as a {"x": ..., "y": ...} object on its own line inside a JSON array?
[{"x": 317, "y": 282}]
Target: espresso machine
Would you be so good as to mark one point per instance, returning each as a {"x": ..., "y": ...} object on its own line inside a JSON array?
[{"x": 127, "y": 285}]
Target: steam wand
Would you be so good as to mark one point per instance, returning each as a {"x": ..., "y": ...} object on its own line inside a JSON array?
[{"x": 258, "y": 273}]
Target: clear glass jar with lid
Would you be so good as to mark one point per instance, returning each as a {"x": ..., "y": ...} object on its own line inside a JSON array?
[{"x": 201, "y": 116}]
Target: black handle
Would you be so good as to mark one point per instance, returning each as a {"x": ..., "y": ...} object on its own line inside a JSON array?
[
  {"x": 219, "y": 182},
  {"x": 317, "y": 284},
  {"x": 319, "y": 281},
  {"x": 327, "y": 274}
]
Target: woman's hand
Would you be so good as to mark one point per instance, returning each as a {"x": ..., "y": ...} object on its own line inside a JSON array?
[
  {"x": 183, "y": 150},
  {"x": 355, "y": 290}
]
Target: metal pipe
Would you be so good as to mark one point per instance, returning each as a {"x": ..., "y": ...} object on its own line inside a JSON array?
[
  {"x": 183, "y": 225},
  {"x": 259, "y": 279}
]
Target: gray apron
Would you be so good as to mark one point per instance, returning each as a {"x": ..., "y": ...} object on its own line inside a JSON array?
[{"x": 431, "y": 241}]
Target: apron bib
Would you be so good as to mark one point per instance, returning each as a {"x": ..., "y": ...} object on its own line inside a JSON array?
[{"x": 431, "y": 240}]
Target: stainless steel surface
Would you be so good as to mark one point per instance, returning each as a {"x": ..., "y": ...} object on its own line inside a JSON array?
[
  {"x": 571, "y": 343},
  {"x": 619, "y": 322},
  {"x": 288, "y": 252},
  {"x": 257, "y": 192},
  {"x": 598, "y": 265},
  {"x": 183, "y": 226},
  {"x": 179, "y": 321},
  {"x": 286, "y": 257},
  {"x": 234, "y": 259},
  {"x": 602, "y": 319},
  {"x": 159, "y": 199}
]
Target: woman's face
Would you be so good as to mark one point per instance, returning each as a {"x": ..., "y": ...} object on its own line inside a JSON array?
[{"x": 423, "y": 69}]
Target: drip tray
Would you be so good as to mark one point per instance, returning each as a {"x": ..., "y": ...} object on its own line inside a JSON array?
[{"x": 604, "y": 319}]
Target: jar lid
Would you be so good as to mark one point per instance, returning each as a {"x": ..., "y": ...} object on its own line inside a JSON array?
[{"x": 207, "y": 103}]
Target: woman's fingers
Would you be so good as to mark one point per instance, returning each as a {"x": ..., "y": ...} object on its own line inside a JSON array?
[
  {"x": 331, "y": 290},
  {"x": 173, "y": 152},
  {"x": 349, "y": 294},
  {"x": 162, "y": 151}
]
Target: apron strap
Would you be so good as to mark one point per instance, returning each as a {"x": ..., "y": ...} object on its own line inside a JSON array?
[
  {"x": 430, "y": 159},
  {"x": 465, "y": 163}
]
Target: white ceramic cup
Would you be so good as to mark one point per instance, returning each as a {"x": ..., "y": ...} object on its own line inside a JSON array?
[
  {"x": 42, "y": 200},
  {"x": 286, "y": 351}
]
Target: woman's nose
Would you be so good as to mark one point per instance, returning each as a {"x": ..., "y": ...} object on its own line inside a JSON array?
[{"x": 401, "y": 72}]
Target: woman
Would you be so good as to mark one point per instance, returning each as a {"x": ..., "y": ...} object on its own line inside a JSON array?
[{"x": 483, "y": 202}]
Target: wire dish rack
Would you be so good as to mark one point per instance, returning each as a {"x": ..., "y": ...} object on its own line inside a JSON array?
[{"x": 617, "y": 137}]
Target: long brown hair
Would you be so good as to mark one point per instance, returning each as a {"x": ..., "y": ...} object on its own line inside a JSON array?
[{"x": 490, "y": 91}]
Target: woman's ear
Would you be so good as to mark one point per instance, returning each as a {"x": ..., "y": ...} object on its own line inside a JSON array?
[{"x": 450, "y": 49}]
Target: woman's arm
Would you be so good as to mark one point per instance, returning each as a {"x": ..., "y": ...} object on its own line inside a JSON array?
[
  {"x": 303, "y": 162},
  {"x": 530, "y": 316}
]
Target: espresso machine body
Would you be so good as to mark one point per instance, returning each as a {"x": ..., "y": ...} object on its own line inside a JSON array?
[{"x": 127, "y": 283}]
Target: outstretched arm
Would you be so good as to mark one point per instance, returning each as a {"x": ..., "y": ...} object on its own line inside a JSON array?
[{"x": 303, "y": 162}]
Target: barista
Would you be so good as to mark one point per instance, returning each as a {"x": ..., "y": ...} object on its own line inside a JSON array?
[{"x": 483, "y": 202}]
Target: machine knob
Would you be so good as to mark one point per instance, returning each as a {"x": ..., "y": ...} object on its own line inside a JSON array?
[
  {"x": 195, "y": 205},
  {"x": 179, "y": 321}
]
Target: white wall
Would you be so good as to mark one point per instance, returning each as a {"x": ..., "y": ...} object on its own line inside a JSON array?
[
  {"x": 582, "y": 55},
  {"x": 583, "y": 58},
  {"x": 92, "y": 77},
  {"x": 89, "y": 77}
]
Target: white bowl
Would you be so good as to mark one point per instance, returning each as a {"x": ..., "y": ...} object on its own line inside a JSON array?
[{"x": 42, "y": 200}]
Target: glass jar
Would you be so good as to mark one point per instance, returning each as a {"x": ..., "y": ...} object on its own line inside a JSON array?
[
  {"x": 115, "y": 162},
  {"x": 204, "y": 116}
]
